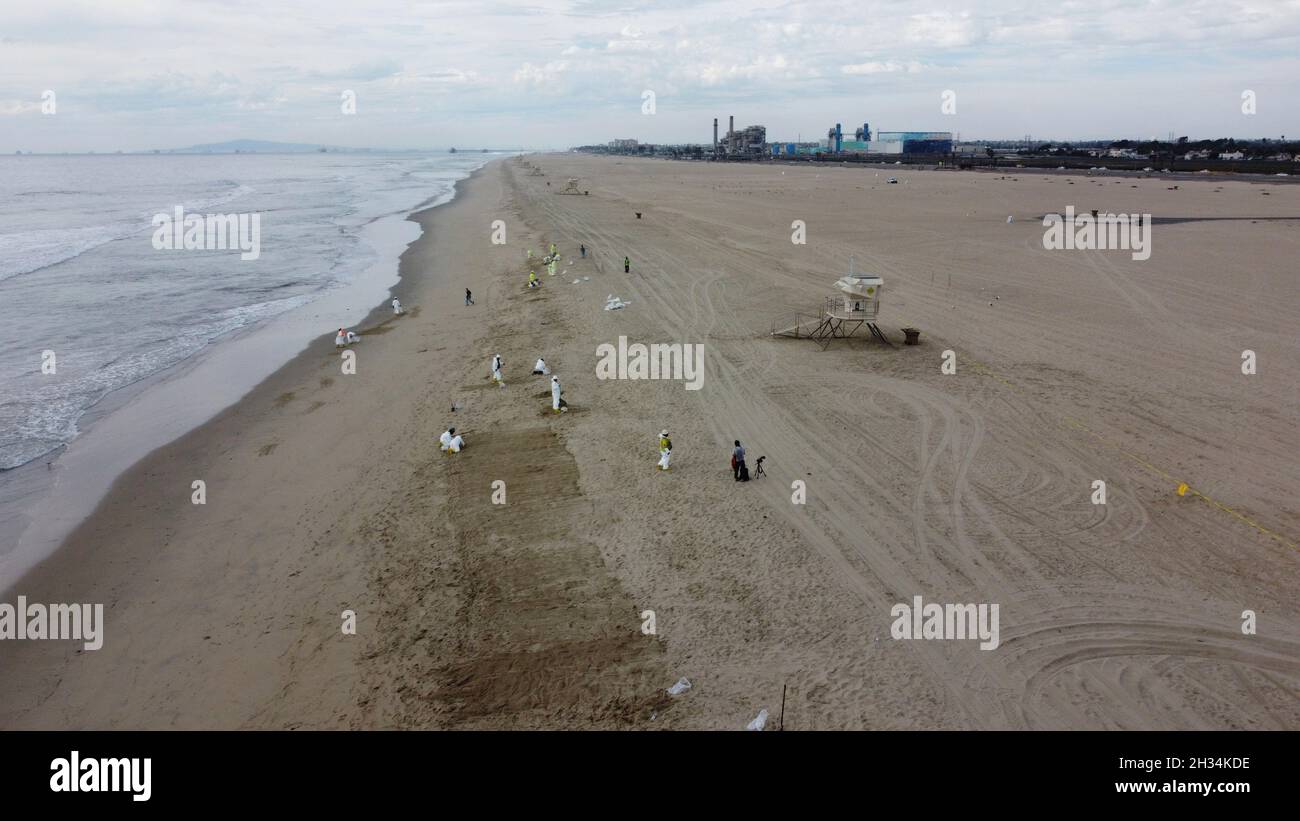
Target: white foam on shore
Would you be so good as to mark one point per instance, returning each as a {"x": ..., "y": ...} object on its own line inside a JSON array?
[{"x": 54, "y": 500}]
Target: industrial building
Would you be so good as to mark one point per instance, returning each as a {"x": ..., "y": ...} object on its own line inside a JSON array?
[
  {"x": 884, "y": 142},
  {"x": 750, "y": 141}
]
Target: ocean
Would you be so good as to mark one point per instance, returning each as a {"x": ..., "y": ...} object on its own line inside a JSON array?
[{"x": 90, "y": 306}]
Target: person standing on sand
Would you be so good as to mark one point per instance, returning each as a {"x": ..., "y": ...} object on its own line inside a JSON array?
[
  {"x": 469, "y": 297},
  {"x": 582, "y": 249},
  {"x": 737, "y": 460},
  {"x": 665, "y": 449},
  {"x": 397, "y": 306},
  {"x": 556, "y": 401},
  {"x": 496, "y": 368},
  {"x": 627, "y": 265}
]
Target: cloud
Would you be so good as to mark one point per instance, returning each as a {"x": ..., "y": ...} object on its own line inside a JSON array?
[
  {"x": 133, "y": 73},
  {"x": 11, "y": 108},
  {"x": 889, "y": 67},
  {"x": 539, "y": 76},
  {"x": 941, "y": 29}
]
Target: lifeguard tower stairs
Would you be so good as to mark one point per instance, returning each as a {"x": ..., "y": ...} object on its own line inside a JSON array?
[{"x": 843, "y": 315}]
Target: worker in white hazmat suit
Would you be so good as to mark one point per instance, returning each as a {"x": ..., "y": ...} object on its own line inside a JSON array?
[
  {"x": 352, "y": 337},
  {"x": 496, "y": 369},
  {"x": 451, "y": 441},
  {"x": 665, "y": 449},
  {"x": 397, "y": 306},
  {"x": 540, "y": 367},
  {"x": 555, "y": 394}
]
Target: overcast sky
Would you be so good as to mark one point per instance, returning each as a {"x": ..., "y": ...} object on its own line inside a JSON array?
[{"x": 143, "y": 74}]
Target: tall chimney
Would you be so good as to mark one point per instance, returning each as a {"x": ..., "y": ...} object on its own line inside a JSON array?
[
  {"x": 715, "y": 135},
  {"x": 731, "y": 134}
]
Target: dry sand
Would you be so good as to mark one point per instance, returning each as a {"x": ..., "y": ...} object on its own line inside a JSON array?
[{"x": 327, "y": 491}]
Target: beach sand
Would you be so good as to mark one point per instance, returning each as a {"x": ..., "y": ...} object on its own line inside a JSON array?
[{"x": 327, "y": 492}]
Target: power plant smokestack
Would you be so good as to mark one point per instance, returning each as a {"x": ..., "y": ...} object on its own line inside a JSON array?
[
  {"x": 715, "y": 135},
  {"x": 731, "y": 134}
]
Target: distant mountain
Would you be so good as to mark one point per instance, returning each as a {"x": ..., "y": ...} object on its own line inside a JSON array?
[{"x": 255, "y": 147}]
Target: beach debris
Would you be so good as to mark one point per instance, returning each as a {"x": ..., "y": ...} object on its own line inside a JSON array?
[
  {"x": 586, "y": 279},
  {"x": 577, "y": 282},
  {"x": 680, "y": 687},
  {"x": 758, "y": 723},
  {"x": 613, "y": 303},
  {"x": 1008, "y": 220}
]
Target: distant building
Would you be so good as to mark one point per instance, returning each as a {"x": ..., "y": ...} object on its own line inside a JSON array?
[
  {"x": 911, "y": 142},
  {"x": 623, "y": 145},
  {"x": 1232, "y": 155},
  {"x": 750, "y": 140}
]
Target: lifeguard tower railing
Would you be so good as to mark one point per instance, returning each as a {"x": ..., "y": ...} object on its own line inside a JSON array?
[{"x": 841, "y": 316}]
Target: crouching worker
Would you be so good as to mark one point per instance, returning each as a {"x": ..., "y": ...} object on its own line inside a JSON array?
[
  {"x": 540, "y": 367},
  {"x": 451, "y": 441}
]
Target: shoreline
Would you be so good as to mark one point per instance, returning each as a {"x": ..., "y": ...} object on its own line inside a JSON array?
[
  {"x": 119, "y": 553},
  {"x": 41, "y": 506}
]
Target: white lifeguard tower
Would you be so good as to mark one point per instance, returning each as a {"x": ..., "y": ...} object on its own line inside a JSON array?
[
  {"x": 571, "y": 187},
  {"x": 857, "y": 304}
]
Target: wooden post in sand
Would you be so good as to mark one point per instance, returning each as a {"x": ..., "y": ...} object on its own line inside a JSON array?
[{"x": 781, "y": 725}]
